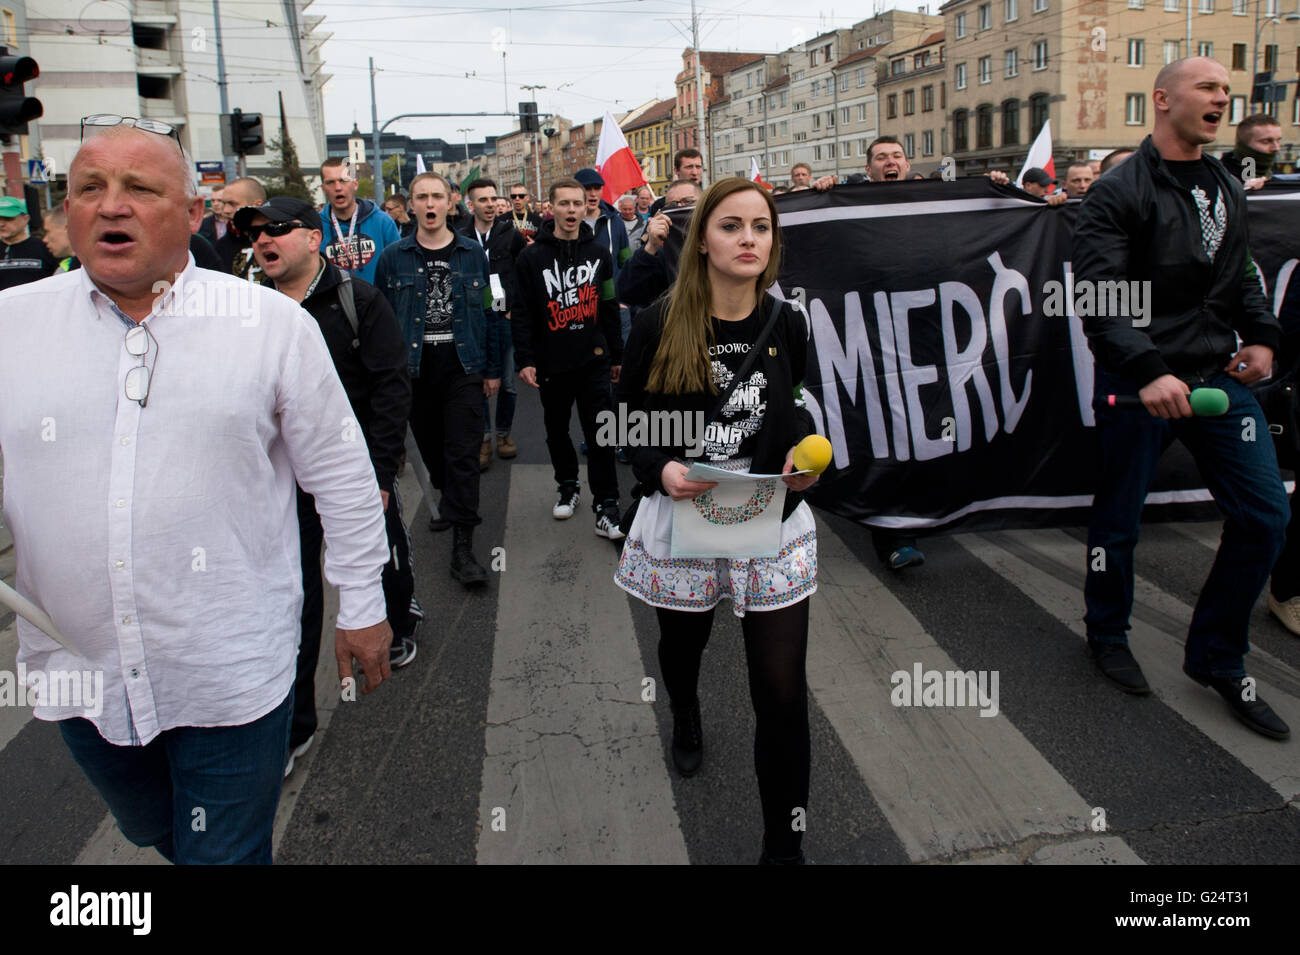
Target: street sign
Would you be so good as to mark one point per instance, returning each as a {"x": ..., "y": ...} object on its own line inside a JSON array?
[
  {"x": 36, "y": 171},
  {"x": 211, "y": 173}
]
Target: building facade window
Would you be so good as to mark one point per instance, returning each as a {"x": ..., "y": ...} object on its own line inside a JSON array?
[
  {"x": 909, "y": 145},
  {"x": 1012, "y": 10},
  {"x": 844, "y": 83},
  {"x": 1238, "y": 56},
  {"x": 1204, "y": 6},
  {"x": 927, "y": 143},
  {"x": 1012, "y": 61},
  {"x": 1137, "y": 51},
  {"x": 1171, "y": 48},
  {"x": 860, "y": 77},
  {"x": 1270, "y": 58},
  {"x": 909, "y": 102},
  {"x": 927, "y": 99},
  {"x": 897, "y": 67},
  {"x": 891, "y": 106},
  {"x": 1040, "y": 6},
  {"x": 1010, "y": 122},
  {"x": 1038, "y": 113},
  {"x": 1236, "y": 110},
  {"x": 986, "y": 16},
  {"x": 1205, "y": 49},
  {"x": 1135, "y": 110},
  {"x": 986, "y": 69},
  {"x": 1172, "y": 5},
  {"x": 862, "y": 112},
  {"x": 1040, "y": 55},
  {"x": 844, "y": 114},
  {"x": 959, "y": 76},
  {"x": 960, "y": 128},
  {"x": 959, "y": 25},
  {"x": 984, "y": 127}
]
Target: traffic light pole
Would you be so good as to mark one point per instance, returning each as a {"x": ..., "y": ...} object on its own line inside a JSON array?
[
  {"x": 377, "y": 161},
  {"x": 228, "y": 162}
]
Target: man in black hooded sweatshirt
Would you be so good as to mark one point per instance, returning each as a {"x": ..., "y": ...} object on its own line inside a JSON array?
[{"x": 569, "y": 345}]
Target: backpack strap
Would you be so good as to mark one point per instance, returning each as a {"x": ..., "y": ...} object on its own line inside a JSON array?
[{"x": 348, "y": 302}]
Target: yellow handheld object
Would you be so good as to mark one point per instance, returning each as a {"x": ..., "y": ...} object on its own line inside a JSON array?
[{"x": 813, "y": 454}]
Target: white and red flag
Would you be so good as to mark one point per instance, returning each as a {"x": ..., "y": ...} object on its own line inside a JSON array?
[
  {"x": 615, "y": 162},
  {"x": 754, "y": 175},
  {"x": 1040, "y": 154}
]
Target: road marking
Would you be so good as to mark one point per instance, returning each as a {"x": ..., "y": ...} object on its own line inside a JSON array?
[
  {"x": 948, "y": 780},
  {"x": 1048, "y": 566},
  {"x": 573, "y": 755}
]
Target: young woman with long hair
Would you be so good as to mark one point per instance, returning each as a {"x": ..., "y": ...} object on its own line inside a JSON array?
[{"x": 682, "y": 354}]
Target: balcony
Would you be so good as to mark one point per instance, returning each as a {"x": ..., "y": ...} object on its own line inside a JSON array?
[
  {"x": 155, "y": 62},
  {"x": 153, "y": 12}
]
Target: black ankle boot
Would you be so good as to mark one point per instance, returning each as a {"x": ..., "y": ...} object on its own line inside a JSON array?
[
  {"x": 688, "y": 738},
  {"x": 463, "y": 565},
  {"x": 768, "y": 859}
]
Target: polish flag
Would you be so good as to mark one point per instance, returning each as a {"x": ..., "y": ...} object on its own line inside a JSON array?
[
  {"x": 615, "y": 162},
  {"x": 419, "y": 165},
  {"x": 1040, "y": 154},
  {"x": 754, "y": 175}
]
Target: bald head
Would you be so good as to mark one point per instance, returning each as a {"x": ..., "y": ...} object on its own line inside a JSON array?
[
  {"x": 171, "y": 156},
  {"x": 1190, "y": 101}
]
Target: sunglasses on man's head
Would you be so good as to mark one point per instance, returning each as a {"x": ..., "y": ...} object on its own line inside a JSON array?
[
  {"x": 274, "y": 229},
  {"x": 106, "y": 120}
]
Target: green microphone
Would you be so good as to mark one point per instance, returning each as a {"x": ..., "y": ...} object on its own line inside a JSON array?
[{"x": 1205, "y": 402}]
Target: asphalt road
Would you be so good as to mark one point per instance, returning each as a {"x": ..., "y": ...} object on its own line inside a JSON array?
[{"x": 521, "y": 733}]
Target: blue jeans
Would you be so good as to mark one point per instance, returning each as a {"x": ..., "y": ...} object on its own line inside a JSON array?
[
  {"x": 232, "y": 773},
  {"x": 1241, "y": 474},
  {"x": 507, "y": 396}
]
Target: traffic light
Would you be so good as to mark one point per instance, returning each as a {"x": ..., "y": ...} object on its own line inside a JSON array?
[
  {"x": 1266, "y": 91},
  {"x": 16, "y": 107},
  {"x": 528, "y": 117},
  {"x": 246, "y": 133}
]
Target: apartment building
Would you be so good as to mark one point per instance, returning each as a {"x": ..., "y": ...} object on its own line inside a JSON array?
[
  {"x": 815, "y": 102},
  {"x": 157, "y": 59},
  {"x": 913, "y": 97},
  {"x": 649, "y": 136},
  {"x": 1090, "y": 66},
  {"x": 713, "y": 69}
]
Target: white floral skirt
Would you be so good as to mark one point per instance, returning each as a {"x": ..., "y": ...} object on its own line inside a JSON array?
[{"x": 646, "y": 569}]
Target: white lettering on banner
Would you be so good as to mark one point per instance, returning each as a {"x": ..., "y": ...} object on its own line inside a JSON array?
[{"x": 847, "y": 360}]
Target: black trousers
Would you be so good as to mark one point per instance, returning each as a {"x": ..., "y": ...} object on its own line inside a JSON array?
[
  {"x": 398, "y": 582},
  {"x": 1286, "y": 572},
  {"x": 447, "y": 421},
  {"x": 588, "y": 387}
]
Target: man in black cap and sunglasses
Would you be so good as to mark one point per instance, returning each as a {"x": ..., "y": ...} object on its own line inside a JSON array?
[{"x": 369, "y": 354}]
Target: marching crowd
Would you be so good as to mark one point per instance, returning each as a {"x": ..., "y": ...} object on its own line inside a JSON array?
[{"x": 421, "y": 318}]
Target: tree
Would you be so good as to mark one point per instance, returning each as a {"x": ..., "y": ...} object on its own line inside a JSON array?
[{"x": 290, "y": 182}]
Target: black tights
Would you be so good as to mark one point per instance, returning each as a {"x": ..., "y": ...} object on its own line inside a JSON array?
[{"x": 776, "y": 647}]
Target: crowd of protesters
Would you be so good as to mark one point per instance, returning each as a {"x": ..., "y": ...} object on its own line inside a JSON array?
[{"x": 415, "y": 313}]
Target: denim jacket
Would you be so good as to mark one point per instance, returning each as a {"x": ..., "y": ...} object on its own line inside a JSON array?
[{"x": 401, "y": 277}]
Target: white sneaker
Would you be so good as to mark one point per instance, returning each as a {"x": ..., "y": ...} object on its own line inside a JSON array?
[
  {"x": 295, "y": 753},
  {"x": 1287, "y": 611},
  {"x": 567, "y": 503},
  {"x": 607, "y": 523}
]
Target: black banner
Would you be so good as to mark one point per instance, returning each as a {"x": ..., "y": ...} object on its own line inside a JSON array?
[{"x": 946, "y": 367}]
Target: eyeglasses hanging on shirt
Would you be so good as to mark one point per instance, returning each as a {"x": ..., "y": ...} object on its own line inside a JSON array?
[{"x": 137, "y": 379}]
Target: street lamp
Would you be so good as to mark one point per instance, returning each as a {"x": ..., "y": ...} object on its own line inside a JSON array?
[
  {"x": 466, "y": 132},
  {"x": 1254, "y": 61}
]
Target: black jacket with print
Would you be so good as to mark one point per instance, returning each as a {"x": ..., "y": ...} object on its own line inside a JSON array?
[
  {"x": 783, "y": 361},
  {"x": 566, "y": 315},
  {"x": 1138, "y": 223}
]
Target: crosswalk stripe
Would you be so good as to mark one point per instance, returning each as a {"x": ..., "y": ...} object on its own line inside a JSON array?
[
  {"x": 574, "y": 768},
  {"x": 1203, "y": 532},
  {"x": 1048, "y": 567},
  {"x": 948, "y": 780}
]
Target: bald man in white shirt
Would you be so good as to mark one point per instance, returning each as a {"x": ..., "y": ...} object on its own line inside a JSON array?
[{"x": 152, "y": 424}]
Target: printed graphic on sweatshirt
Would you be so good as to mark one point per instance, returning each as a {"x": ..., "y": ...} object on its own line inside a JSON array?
[
  {"x": 574, "y": 294},
  {"x": 742, "y": 415},
  {"x": 1213, "y": 225},
  {"x": 350, "y": 253}
]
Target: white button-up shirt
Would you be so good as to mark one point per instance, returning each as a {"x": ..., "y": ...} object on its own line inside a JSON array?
[{"x": 163, "y": 540}]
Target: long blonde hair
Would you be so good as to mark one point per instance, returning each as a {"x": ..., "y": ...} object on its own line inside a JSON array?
[{"x": 681, "y": 363}]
